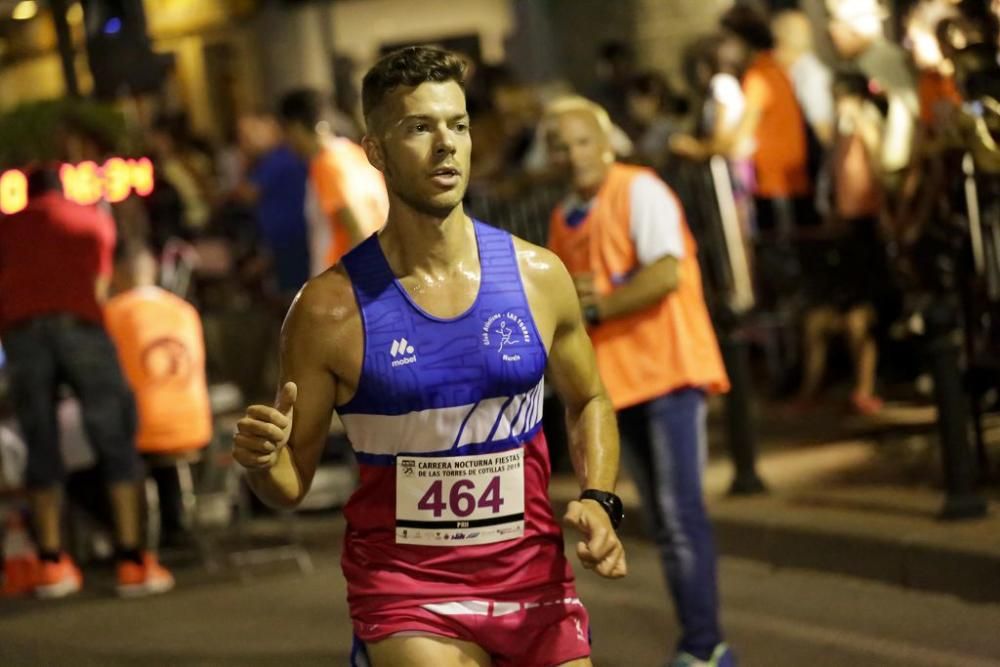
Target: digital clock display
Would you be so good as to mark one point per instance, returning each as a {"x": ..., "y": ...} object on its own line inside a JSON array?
[{"x": 85, "y": 183}]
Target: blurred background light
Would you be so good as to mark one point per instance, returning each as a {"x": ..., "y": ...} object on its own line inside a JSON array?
[
  {"x": 74, "y": 15},
  {"x": 26, "y": 9},
  {"x": 113, "y": 26}
]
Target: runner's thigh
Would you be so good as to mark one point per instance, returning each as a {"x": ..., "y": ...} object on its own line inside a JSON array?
[{"x": 427, "y": 651}]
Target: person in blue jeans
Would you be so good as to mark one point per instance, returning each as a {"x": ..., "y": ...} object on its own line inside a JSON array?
[
  {"x": 664, "y": 445},
  {"x": 622, "y": 234}
]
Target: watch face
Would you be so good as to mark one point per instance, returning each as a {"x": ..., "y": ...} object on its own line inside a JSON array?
[
  {"x": 616, "y": 502},
  {"x": 617, "y": 510}
]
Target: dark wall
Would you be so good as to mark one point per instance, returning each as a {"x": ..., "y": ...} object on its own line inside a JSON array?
[{"x": 560, "y": 38}]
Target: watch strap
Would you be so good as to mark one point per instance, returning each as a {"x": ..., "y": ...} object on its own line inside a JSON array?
[{"x": 611, "y": 503}]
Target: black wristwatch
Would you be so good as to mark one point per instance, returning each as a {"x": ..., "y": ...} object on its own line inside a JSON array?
[
  {"x": 611, "y": 503},
  {"x": 591, "y": 314}
]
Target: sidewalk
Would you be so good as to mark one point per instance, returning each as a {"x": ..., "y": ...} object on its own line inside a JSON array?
[{"x": 850, "y": 496}]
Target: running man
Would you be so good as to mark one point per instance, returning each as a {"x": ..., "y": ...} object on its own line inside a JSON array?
[{"x": 452, "y": 553}]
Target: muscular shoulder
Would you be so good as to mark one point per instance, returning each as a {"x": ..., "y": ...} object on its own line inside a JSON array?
[
  {"x": 547, "y": 283},
  {"x": 324, "y": 293},
  {"x": 540, "y": 266},
  {"x": 324, "y": 318}
]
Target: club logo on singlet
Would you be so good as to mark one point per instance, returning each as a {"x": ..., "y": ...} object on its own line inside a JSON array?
[{"x": 506, "y": 333}]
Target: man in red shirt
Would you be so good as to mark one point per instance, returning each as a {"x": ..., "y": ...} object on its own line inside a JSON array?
[{"x": 55, "y": 262}]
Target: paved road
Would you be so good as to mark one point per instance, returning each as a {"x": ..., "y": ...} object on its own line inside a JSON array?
[{"x": 278, "y": 617}]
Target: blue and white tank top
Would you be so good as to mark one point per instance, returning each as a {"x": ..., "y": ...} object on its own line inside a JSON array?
[{"x": 471, "y": 384}]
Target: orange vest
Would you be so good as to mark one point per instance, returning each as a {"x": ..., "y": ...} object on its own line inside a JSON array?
[
  {"x": 162, "y": 351},
  {"x": 667, "y": 346},
  {"x": 781, "y": 158},
  {"x": 934, "y": 91},
  {"x": 342, "y": 176}
]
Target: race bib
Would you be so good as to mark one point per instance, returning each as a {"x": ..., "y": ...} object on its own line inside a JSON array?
[{"x": 460, "y": 500}]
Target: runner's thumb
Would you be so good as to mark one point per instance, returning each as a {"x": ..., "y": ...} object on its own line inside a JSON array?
[
  {"x": 574, "y": 515},
  {"x": 286, "y": 398}
]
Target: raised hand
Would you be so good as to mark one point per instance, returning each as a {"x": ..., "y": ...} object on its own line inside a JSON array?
[{"x": 263, "y": 431}]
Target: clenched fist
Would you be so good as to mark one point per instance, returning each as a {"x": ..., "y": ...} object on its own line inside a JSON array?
[
  {"x": 264, "y": 430},
  {"x": 600, "y": 550}
]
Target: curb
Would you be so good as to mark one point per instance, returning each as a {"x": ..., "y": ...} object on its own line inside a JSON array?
[{"x": 903, "y": 558}]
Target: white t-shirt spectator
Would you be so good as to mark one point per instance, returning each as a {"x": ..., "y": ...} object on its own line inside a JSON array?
[
  {"x": 813, "y": 84},
  {"x": 656, "y": 219},
  {"x": 728, "y": 101}
]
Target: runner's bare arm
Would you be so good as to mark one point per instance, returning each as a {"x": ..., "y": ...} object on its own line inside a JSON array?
[
  {"x": 647, "y": 287},
  {"x": 572, "y": 368},
  {"x": 593, "y": 431},
  {"x": 304, "y": 362}
]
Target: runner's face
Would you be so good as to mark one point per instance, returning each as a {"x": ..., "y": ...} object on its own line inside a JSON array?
[
  {"x": 424, "y": 146},
  {"x": 579, "y": 148}
]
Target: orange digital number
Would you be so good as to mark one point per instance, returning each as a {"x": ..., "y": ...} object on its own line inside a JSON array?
[
  {"x": 81, "y": 183},
  {"x": 85, "y": 183},
  {"x": 13, "y": 191},
  {"x": 87, "y": 189},
  {"x": 142, "y": 176},
  {"x": 117, "y": 180}
]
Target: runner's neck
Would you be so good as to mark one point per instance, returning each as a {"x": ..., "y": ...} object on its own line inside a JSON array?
[{"x": 414, "y": 243}]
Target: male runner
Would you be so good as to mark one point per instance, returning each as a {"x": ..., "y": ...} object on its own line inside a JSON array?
[{"x": 452, "y": 554}]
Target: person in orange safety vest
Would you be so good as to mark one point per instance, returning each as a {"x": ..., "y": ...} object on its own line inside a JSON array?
[{"x": 622, "y": 234}]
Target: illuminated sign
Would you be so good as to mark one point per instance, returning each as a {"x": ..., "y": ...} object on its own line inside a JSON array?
[{"x": 85, "y": 183}]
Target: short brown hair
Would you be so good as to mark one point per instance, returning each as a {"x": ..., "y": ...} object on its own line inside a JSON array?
[{"x": 410, "y": 66}]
